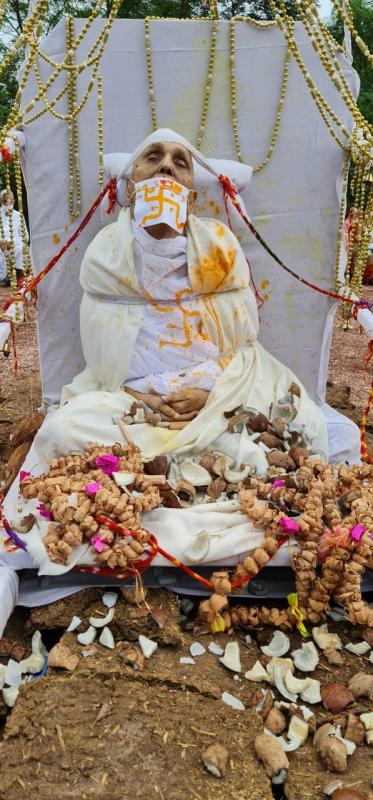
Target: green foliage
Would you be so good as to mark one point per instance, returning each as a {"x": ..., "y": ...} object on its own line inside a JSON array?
[{"x": 362, "y": 11}]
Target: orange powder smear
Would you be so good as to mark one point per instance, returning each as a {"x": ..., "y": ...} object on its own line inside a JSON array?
[
  {"x": 214, "y": 268},
  {"x": 264, "y": 283}
]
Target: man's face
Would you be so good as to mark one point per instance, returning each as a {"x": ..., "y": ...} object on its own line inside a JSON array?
[
  {"x": 7, "y": 200},
  {"x": 164, "y": 158}
]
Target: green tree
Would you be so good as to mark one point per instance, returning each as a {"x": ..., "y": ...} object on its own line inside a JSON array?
[{"x": 362, "y": 11}]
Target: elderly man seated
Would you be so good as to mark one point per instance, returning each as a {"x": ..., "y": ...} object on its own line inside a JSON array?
[{"x": 168, "y": 317}]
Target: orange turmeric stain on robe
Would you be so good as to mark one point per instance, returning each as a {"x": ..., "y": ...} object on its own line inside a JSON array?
[{"x": 213, "y": 269}]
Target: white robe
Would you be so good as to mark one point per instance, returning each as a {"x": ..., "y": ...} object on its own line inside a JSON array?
[{"x": 207, "y": 327}]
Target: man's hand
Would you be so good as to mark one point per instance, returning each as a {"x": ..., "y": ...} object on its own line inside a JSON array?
[{"x": 181, "y": 407}]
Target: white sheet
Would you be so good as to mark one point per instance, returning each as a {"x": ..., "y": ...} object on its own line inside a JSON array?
[{"x": 293, "y": 201}]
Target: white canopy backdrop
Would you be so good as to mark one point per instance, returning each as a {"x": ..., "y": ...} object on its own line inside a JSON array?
[{"x": 293, "y": 201}]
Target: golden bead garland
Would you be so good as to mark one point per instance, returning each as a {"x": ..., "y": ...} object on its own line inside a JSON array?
[
  {"x": 100, "y": 131},
  {"x": 347, "y": 19},
  {"x": 280, "y": 105},
  {"x": 333, "y": 68},
  {"x": 72, "y": 130},
  {"x": 208, "y": 83},
  {"x": 341, "y": 219}
]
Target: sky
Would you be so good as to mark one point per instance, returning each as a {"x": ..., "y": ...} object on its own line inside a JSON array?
[{"x": 325, "y": 8}]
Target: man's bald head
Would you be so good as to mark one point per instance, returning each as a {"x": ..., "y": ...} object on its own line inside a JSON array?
[{"x": 164, "y": 158}]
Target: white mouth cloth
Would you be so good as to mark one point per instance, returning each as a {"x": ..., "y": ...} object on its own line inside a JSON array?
[{"x": 161, "y": 200}]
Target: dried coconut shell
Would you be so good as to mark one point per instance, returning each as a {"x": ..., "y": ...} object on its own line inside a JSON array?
[
  {"x": 333, "y": 754},
  {"x": 157, "y": 466},
  {"x": 336, "y": 697},
  {"x": 26, "y": 429},
  {"x": 62, "y": 657},
  {"x": 270, "y": 440},
  {"x": 278, "y": 459},
  {"x": 334, "y": 657},
  {"x": 353, "y": 729},
  {"x": 361, "y": 685}
]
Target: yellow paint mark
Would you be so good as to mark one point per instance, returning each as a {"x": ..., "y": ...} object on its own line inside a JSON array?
[
  {"x": 56, "y": 238},
  {"x": 214, "y": 268},
  {"x": 264, "y": 283}
]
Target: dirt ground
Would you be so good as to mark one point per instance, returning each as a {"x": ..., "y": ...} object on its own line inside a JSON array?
[{"x": 107, "y": 731}]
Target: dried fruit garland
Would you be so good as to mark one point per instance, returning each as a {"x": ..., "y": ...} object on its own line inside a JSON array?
[{"x": 334, "y": 525}]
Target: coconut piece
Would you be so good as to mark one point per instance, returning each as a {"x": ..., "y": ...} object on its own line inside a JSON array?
[
  {"x": 297, "y": 735},
  {"x": 33, "y": 664},
  {"x": 346, "y": 794},
  {"x": 279, "y": 645},
  {"x": 361, "y": 685},
  {"x": 257, "y": 674},
  {"x": 13, "y": 673},
  {"x": 358, "y": 649},
  {"x": 37, "y": 646},
  {"x": 324, "y": 730},
  {"x": 326, "y": 640},
  {"x": 232, "y": 701},
  {"x": 275, "y": 721},
  {"x": 23, "y": 524},
  {"x": 353, "y": 728},
  {"x": 195, "y": 474},
  {"x": 306, "y": 658},
  {"x": 62, "y": 657},
  {"x": 293, "y": 684},
  {"x": 367, "y": 720},
  {"x": 284, "y": 663},
  {"x": 350, "y": 746},
  {"x": 186, "y": 660},
  {"x": 10, "y": 695},
  {"x": 88, "y": 636},
  {"x": 215, "y": 759},
  {"x": 331, "y": 787},
  {"x": 197, "y": 649},
  {"x": 236, "y": 475},
  {"x": 369, "y": 738},
  {"x": 222, "y": 463},
  {"x": 109, "y": 599},
  {"x": 335, "y": 697},
  {"x": 216, "y": 649},
  {"x": 156, "y": 466},
  {"x": 107, "y": 638},
  {"x": 101, "y": 622},
  {"x": 148, "y": 647},
  {"x": 124, "y": 479},
  {"x": 231, "y": 658},
  {"x": 312, "y": 692},
  {"x": 272, "y": 756},
  {"x": 186, "y": 493},
  {"x": 334, "y": 657},
  {"x": 333, "y": 754},
  {"x": 278, "y": 674},
  {"x": 75, "y": 622}
]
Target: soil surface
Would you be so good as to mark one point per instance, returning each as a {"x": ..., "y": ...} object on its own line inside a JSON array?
[{"x": 107, "y": 731}]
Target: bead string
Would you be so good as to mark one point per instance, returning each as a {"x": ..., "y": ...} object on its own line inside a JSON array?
[
  {"x": 100, "y": 132},
  {"x": 72, "y": 129},
  {"x": 348, "y": 20},
  {"x": 280, "y": 105}
]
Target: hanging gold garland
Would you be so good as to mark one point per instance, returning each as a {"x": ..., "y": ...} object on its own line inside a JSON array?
[
  {"x": 72, "y": 129},
  {"x": 100, "y": 132},
  {"x": 348, "y": 21},
  {"x": 208, "y": 83},
  {"x": 280, "y": 105}
]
